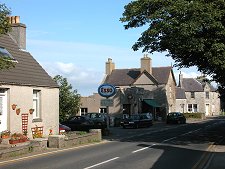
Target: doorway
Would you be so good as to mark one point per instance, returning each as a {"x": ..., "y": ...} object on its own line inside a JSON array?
[{"x": 3, "y": 109}]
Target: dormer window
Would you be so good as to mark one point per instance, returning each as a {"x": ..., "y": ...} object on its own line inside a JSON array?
[
  {"x": 207, "y": 95},
  {"x": 193, "y": 95},
  {"x": 4, "y": 54}
]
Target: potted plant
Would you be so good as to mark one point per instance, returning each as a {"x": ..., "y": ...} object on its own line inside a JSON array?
[
  {"x": 17, "y": 138},
  {"x": 5, "y": 134},
  {"x": 31, "y": 111},
  {"x": 18, "y": 111}
]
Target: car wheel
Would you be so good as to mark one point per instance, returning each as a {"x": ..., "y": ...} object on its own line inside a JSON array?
[{"x": 178, "y": 122}]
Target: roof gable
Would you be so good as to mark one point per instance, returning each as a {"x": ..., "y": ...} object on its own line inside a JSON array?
[
  {"x": 145, "y": 78},
  {"x": 27, "y": 71},
  {"x": 126, "y": 77}
]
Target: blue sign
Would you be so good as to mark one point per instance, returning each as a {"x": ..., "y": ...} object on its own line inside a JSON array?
[{"x": 106, "y": 90}]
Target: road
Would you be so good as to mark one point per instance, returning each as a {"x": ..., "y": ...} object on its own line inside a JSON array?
[{"x": 159, "y": 147}]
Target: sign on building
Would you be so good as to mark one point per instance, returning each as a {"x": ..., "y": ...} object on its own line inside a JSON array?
[{"x": 106, "y": 102}]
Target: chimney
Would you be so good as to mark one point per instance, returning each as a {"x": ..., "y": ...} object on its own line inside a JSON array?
[
  {"x": 180, "y": 80},
  {"x": 146, "y": 64},
  {"x": 109, "y": 66},
  {"x": 18, "y": 32}
]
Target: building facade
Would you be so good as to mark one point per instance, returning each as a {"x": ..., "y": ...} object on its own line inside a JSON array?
[
  {"x": 197, "y": 95},
  {"x": 29, "y": 97},
  {"x": 139, "y": 90}
]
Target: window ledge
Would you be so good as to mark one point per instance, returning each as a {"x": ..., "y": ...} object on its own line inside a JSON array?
[{"x": 37, "y": 120}]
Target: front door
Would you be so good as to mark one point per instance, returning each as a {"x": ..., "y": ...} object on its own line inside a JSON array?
[
  {"x": 207, "y": 109},
  {"x": 3, "y": 110}
]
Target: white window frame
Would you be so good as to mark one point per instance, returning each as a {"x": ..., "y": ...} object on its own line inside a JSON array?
[
  {"x": 83, "y": 110},
  {"x": 36, "y": 104},
  {"x": 192, "y": 108}
]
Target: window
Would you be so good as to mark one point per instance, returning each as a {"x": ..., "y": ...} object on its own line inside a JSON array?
[
  {"x": 83, "y": 111},
  {"x": 103, "y": 110},
  {"x": 192, "y": 107},
  {"x": 36, "y": 104},
  {"x": 192, "y": 94},
  {"x": 207, "y": 95},
  {"x": 6, "y": 55}
]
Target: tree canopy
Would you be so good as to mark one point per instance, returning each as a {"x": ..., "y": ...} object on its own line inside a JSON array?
[
  {"x": 192, "y": 32},
  {"x": 69, "y": 99},
  {"x": 5, "y": 27}
]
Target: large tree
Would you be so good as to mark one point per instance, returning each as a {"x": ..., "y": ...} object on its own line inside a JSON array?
[
  {"x": 5, "y": 61},
  {"x": 69, "y": 99},
  {"x": 191, "y": 31}
]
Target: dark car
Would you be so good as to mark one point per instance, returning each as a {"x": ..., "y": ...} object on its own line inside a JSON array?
[
  {"x": 99, "y": 119},
  {"x": 63, "y": 128},
  {"x": 79, "y": 123},
  {"x": 176, "y": 117},
  {"x": 137, "y": 120}
]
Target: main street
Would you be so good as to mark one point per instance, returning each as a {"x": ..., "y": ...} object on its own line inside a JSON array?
[{"x": 161, "y": 146}]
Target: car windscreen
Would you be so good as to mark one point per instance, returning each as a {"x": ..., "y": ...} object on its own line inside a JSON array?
[{"x": 134, "y": 117}]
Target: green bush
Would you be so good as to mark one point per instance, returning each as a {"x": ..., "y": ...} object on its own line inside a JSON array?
[{"x": 194, "y": 115}]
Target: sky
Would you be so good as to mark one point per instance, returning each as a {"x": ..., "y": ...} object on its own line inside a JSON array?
[{"x": 74, "y": 39}]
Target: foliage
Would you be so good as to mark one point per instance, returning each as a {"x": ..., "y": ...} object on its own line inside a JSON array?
[
  {"x": 18, "y": 136},
  {"x": 194, "y": 115},
  {"x": 5, "y": 27},
  {"x": 69, "y": 99},
  {"x": 192, "y": 32},
  {"x": 5, "y": 133}
]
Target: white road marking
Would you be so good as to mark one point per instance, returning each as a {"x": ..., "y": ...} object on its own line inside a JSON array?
[
  {"x": 101, "y": 163},
  {"x": 143, "y": 148},
  {"x": 168, "y": 139}
]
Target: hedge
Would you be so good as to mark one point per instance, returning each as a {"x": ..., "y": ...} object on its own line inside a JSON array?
[{"x": 195, "y": 115}]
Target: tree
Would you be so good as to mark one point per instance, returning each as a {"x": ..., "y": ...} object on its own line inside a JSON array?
[
  {"x": 5, "y": 62},
  {"x": 69, "y": 100},
  {"x": 191, "y": 31}
]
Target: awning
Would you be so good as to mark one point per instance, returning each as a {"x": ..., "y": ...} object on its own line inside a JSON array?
[{"x": 151, "y": 102}]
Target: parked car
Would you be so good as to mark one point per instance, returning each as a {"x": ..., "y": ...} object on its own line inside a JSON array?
[
  {"x": 63, "y": 128},
  {"x": 176, "y": 117},
  {"x": 79, "y": 123},
  {"x": 138, "y": 120},
  {"x": 99, "y": 119}
]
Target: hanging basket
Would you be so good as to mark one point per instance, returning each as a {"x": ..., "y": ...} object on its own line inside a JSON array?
[
  {"x": 14, "y": 106},
  {"x": 18, "y": 111},
  {"x": 31, "y": 111}
]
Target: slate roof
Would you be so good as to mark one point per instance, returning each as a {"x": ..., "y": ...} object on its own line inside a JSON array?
[
  {"x": 27, "y": 71},
  {"x": 180, "y": 93},
  {"x": 192, "y": 85},
  {"x": 126, "y": 77}
]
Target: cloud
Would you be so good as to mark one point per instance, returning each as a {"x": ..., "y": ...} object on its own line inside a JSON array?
[
  {"x": 85, "y": 81},
  {"x": 83, "y": 64}
]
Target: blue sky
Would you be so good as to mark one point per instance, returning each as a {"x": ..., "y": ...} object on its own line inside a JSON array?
[{"x": 75, "y": 38}]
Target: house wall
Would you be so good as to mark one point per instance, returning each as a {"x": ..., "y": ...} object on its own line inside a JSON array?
[
  {"x": 181, "y": 105},
  {"x": 22, "y": 96},
  {"x": 201, "y": 101}
]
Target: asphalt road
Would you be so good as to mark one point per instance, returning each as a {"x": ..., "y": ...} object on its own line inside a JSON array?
[{"x": 158, "y": 147}]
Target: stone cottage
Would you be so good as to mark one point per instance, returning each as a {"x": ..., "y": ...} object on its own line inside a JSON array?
[
  {"x": 29, "y": 97},
  {"x": 144, "y": 89},
  {"x": 197, "y": 95}
]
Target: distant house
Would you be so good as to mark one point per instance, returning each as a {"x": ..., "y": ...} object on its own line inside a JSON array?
[
  {"x": 25, "y": 87},
  {"x": 195, "y": 95},
  {"x": 144, "y": 89}
]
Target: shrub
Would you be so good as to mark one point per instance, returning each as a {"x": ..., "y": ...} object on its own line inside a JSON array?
[{"x": 194, "y": 115}]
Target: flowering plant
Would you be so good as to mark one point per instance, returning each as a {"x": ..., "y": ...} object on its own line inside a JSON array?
[
  {"x": 18, "y": 136},
  {"x": 5, "y": 134}
]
